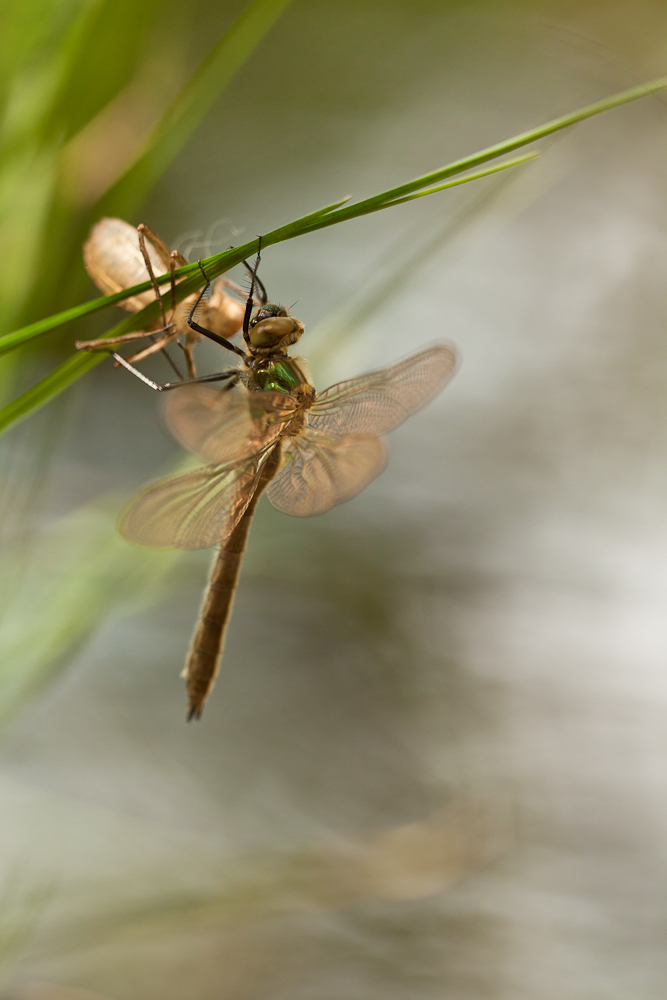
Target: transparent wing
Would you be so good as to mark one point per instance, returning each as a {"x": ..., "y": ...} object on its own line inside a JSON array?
[
  {"x": 192, "y": 511},
  {"x": 226, "y": 427},
  {"x": 113, "y": 260},
  {"x": 320, "y": 471},
  {"x": 379, "y": 401}
]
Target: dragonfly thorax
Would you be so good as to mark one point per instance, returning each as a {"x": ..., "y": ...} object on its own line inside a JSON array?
[{"x": 279, "y": 373}]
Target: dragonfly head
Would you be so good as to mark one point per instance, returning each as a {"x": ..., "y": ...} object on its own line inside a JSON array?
[{"x": 273, "y": 329}]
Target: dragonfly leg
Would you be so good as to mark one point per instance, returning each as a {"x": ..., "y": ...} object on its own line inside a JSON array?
[
  {"x": 263, "y": 298},
  {"x": 209, "y": 333},
  {"x": 232, "y": 376},
  {"x": 250, "y": 300},
  {"x": 241, "y": 292},
  {"x": 231, "y": 285},
  {"x": 135, "y": 371}
]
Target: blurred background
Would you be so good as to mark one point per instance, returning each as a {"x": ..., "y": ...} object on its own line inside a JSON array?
[{"x": 435, "y": 762}]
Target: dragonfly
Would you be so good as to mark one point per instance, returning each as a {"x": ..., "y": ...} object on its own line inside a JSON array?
[
  {"x": 117, "y": 256},
  {"x": 268, "y": 431}
]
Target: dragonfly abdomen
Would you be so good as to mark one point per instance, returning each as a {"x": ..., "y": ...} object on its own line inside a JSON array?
[{"x": 203, "y": 661}]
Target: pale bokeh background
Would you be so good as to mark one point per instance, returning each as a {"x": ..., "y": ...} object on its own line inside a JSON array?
[{"x": 435, "y": 764}]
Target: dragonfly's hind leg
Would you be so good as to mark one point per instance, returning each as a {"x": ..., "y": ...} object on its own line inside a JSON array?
[
  {"x": 231, "y": 377},
  {"x": 251, "y": 294},
  {"x": 209, "y": 333}
]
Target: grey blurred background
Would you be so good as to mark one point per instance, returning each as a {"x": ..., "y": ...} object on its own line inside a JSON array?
[{"x": 435, "y": 762}]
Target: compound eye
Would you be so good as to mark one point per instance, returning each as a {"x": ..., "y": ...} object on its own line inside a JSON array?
[{"x": 269, "y": 332}]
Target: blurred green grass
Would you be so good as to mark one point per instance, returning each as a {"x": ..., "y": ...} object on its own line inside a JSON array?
[
  {"x": 96, "y": 98},
  {"x": 96, "y": 106},
  {"x": 342, "y": 210}
]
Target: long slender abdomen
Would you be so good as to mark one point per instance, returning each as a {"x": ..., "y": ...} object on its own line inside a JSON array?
[{"x": 203, "y": 660}]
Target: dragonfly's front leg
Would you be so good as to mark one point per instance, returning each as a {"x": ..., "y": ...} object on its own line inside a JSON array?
[
  {"x": 231, "y": 377},
  {"x": 209, "y": 333}
]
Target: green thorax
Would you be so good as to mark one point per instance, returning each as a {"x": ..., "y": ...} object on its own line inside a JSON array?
[{"x": 278, "y": 375}]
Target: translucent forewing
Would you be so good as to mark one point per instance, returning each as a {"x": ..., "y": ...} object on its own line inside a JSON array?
[
  {"x": 379, "y": 401},
  {"x": 234, "y": 430},
  {"x": 114, "y": 261},
  {"x": 225, "y": 427},
  {"x": 321, "y": 471},
  {"x": 194, "y": 510}
]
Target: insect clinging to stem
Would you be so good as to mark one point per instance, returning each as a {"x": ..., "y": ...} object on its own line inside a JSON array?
[{"x": 267, "y": 430}]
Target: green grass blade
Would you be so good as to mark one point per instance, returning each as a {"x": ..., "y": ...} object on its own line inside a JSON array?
[
  {"x": 76, "y": 365},
  {"x": 214, "y": 266},
  {"x": 13, "y": 340},
  {"x": 331, "y": 215},
  {"x": 491, "y": 152},
  {"x": 219, "y": 264},
  {"x": 111, "y": 34},
  {"x": 57, "y": 274},
  {"x": 495, "y": 169}
]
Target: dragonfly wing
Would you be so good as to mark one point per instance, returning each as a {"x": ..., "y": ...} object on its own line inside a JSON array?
[
  {"x": 224, "y": 427},
  {"x": 379, "y": 401},
  {"x": 114, "y": 261},
  {"x": 321, "y": 471},
  {"x": 192, "y": 511}
]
